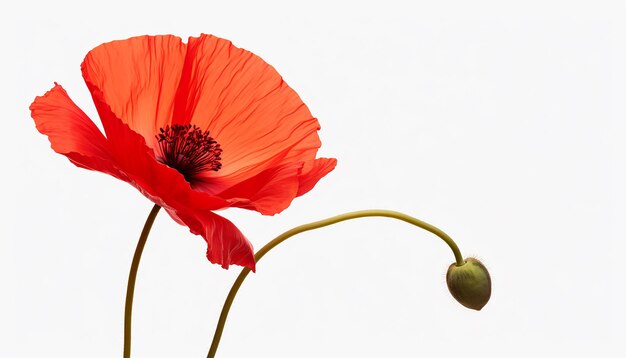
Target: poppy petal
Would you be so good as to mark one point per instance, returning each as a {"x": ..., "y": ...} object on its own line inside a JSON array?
[
  {"x": 313, "y": 171},
  {"x": 71, "y": 132},
  {"x": 226, "y": 244},
  {"x": 273, "y": 190},
  {"x": 247, "y": 107},
  {"x": 138, "y": 78},
  {"x": 268, "y": 192}
]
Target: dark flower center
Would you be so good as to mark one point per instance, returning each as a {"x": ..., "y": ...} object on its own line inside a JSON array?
[{"x": 189, "y": 150}]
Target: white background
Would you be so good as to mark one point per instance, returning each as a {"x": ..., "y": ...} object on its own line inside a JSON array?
[{"x": 503, "y": 123}]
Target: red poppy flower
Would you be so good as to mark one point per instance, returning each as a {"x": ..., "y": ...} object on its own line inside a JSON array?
[{"x": 195, "y": 127}]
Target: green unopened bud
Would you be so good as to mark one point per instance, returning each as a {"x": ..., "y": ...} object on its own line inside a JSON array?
[{"x": 470, "y": 283}]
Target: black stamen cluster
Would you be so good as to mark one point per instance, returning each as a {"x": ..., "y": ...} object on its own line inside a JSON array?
[{"x": 189, "y": 150}]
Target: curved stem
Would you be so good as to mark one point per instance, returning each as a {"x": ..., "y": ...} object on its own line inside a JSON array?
[
  {"x": 316, "y": 225},
  {"x": 132, "y": 276}
]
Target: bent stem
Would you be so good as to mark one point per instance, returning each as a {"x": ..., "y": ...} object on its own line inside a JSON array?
[
  {"x": 132, "y": 276},
  {"x": 316, "y": 225}
]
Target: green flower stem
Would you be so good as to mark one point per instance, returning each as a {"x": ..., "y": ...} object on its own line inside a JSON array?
[
  {"x": 316, "y": 225},
  {"x": 132, "y": 276}
]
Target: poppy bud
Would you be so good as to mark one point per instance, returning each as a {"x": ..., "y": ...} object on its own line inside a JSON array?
[{"x": 470, "y": 283}]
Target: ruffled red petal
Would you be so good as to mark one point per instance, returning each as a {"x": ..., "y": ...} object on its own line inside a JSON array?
[
  {"x": 72, "y": 133},
  {"x": 246, "y": 106},
  {"x": 313, "y": 171},
  {"x": 259, "y": 121},
  {"x": 269, "y": 192},
  {"x": 226, "y": 245},
  {"x": 138, "y": 78},
  {"x": 273, "y": 190}
]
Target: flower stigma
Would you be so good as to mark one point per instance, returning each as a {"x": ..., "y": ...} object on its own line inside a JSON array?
[{"x": 188, "y": 149}]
